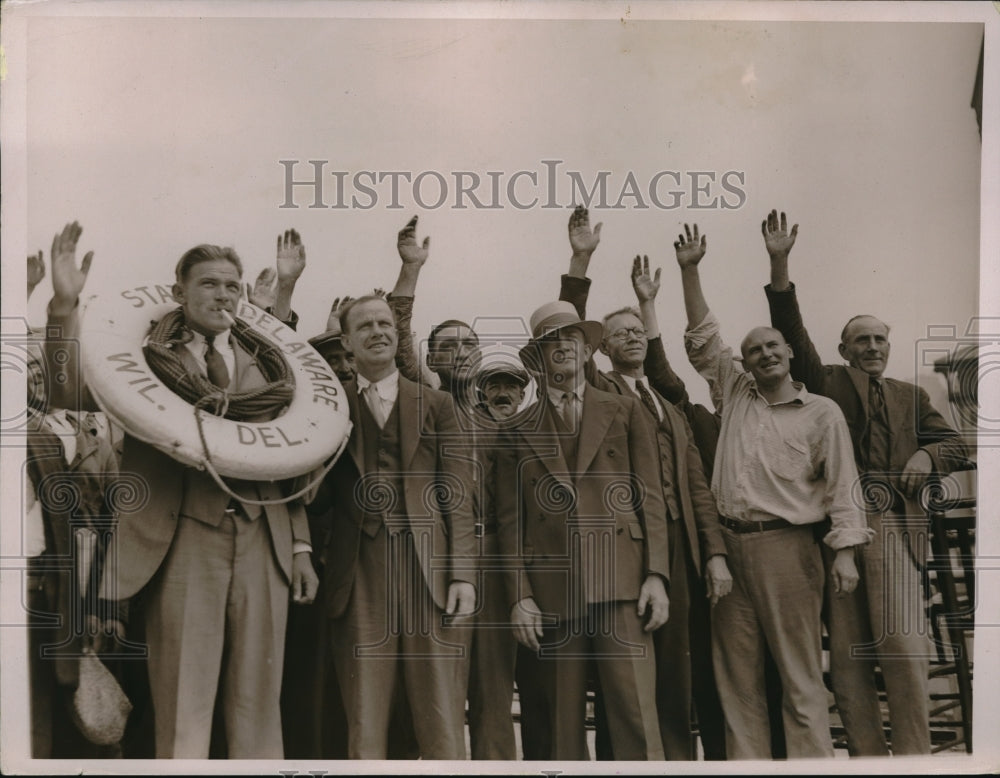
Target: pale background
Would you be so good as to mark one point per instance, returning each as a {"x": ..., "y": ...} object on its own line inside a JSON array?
[
  {"x": 161, "y": 133},
  {"x": 158, "y": 134}
]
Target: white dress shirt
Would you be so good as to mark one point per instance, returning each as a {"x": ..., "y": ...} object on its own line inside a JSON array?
[
  {"x": 197, "y": 347},
  {"x": 384, "y": 392}
]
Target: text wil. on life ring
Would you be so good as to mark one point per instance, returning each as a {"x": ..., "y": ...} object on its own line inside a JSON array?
[{"x": 298, "y": 441}]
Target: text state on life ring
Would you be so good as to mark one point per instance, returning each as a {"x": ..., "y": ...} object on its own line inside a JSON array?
[{"x": 310, "y": 430}]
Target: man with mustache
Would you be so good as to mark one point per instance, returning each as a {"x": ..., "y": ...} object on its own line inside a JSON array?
[
  {"x": 900, "y": 440},
  {"x": 399, "y": 579},
  {"x": 783, "y": 463},
  {"x": 215, "y": 573},
  {"x": 502, "y": 388}
]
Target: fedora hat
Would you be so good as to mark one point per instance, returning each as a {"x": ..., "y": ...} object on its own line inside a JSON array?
[
  {"x": 552, "y": 318},
  {"x": 559, "y": 315}
]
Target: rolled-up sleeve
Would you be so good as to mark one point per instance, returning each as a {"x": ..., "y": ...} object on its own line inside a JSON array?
[{"x": 712, "y": 358}]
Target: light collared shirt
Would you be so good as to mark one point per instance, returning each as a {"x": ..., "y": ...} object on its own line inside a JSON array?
[
  {"x": 645, "y": 383},
  {"x": 791, "y": 460},
  {"x": 197, "y": 346},
  {"x": 386, "y": 390},
  {"x": 65, "y": 428},
  {"x": 574, "y": 397}
]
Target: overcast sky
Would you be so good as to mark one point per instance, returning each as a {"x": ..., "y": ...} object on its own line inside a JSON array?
[{"x": 158, "y": 134}]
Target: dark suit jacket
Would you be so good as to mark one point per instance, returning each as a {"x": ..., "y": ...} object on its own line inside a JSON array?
[
  {"x": 700, "y": 516},
  {"x": 143, "y": 537},
  {"x": 437, "y": 499},
  {"x": 913, "y": 421},
  {"x": 544, "y": 506}
]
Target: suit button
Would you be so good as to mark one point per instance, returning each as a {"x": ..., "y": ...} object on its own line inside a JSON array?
[
  {"x": 620, "y": 530},
  {"x": 611, "y": 452},
  {"x": 541, "y": 517}
]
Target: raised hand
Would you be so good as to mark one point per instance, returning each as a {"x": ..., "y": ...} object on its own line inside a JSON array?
[
  {"x": 68, "y": 280},
  {"x": 690, "y": 248},
  {"x": 36, "y": 270},
  {"x": 777, "y": 239},
  {"x": 644, "y": 286},
  {"x": 263, "y": 292},
  {"x": 411, "y": 252},
  {"x": 583, "y": 239},
  {"x": 291, "y": 260},
  {"x": 333, "y": 320}
]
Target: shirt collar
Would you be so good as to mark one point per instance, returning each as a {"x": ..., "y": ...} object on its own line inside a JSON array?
[
  {"x": 802, "y": 396},
  {"x": 556, "y": 395},
  {"x": 385, "y": 388},
  {"x": 198, "y": 340},
  {"x": 633, "y": 381}
]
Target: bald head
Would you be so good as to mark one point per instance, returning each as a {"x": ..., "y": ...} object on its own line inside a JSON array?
[
  {"x": 766, "y": 356},
  {"x": 760, "y": 334}
]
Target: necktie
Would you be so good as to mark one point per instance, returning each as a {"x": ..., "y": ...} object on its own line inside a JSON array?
[
  {"x": 876, "y": 401},
  {"x": 215, "y": 365},
  {"x": 374, "y": 404},
  {"x": 647, "y": 399},
  {"x": 567, "y": 410},
  {"x": 878, "y": 428}
]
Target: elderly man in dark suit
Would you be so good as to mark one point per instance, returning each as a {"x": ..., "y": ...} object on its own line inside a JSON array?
[
  {"x": 899, "y": 441},
  {"x": 215, "y": 572},
  {"x": 695, "y": 536},
  {"x": 400, "y": 569},
  {"x": 583, "y": 525}
]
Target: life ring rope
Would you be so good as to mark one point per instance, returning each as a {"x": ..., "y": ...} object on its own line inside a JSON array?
[
  {"x": 169, "y": 333},
  {"x": 254, "y": 435},
  {"x": 210, "y": 467}
]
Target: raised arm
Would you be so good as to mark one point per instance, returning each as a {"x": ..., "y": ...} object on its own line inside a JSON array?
[
  {"x": 656, "y": 366},
  {"x": 574, "y": 285},
  {"x": 36, "y": 270},
  {"x": 413, "y": 255},
  {"x": 806, "y": 365},
  {"x": 263, "y": 292},
  {"x": 290, "y": 261},
  {"x": 68, "y": 281},
  {"x": 690, "y": 251},
  {"x": 712, "y": 358}
]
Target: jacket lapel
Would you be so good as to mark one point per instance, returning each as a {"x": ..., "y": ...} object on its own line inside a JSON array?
[
  {"x": 897, "y": 406},
  {"x": 860, "y": 380},
  {"x": 598, "y": 412},
  {"x": 248, "y": 375},
  {"x": 354, "y": 444},
  {"x": 410, "y": 423},
  {"x": 544, "y": 441}
]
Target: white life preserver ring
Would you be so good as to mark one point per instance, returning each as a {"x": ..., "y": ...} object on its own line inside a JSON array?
[{"x": 313, "y": 428}]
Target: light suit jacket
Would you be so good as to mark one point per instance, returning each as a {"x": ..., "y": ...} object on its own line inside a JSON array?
[{"x": 143, "y": 537}]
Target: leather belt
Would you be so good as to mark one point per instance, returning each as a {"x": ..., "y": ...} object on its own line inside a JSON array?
[{"x": 743, "y": 527}]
